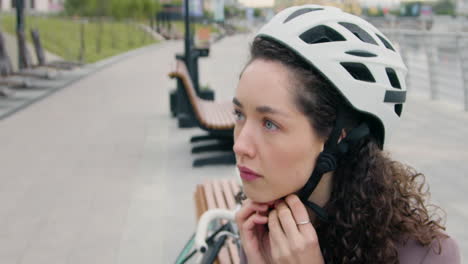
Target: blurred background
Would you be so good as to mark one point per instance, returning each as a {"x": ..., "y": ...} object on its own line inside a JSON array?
[
  {"x": 91, "y": 30},
  {"x": 96, "y": 162}
]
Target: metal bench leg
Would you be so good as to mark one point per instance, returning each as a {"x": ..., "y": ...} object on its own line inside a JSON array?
[
  {"x": 173, "y": 103},
  {"x": 210, "y": 137},
  {"x": 222, "y": 146},
  {"x": 226, "y": 159}
]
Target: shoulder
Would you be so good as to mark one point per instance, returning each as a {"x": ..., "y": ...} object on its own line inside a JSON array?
[{"x": 447, "y": 253}]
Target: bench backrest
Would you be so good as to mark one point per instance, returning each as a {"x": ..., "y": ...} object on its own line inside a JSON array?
[
  {"x": 183, "y": 74},
  {"x": 210, "y": 114},
  {"x": 219, "y": 194}
]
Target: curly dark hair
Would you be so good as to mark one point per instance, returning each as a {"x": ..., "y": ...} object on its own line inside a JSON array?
[{"x": 376, "y": 203}]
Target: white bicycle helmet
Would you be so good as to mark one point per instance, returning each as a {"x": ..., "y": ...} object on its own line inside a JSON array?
[
  {"x": 351, "y": 54},
  {"x": 357, "y": 59}
]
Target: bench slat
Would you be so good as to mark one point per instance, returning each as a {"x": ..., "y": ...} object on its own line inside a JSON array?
[
  {"x": 224, "y": 254},
  {"x": 211, "y": 204},
  {"x": 209, "y": 195},
  {"x": 200, "y": 201},
  {"x": 231, "y": 204},
  {"x": 219, "y": 194}
]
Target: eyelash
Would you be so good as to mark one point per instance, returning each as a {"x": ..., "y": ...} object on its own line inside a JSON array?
[
  {"x": 273, "y": 123},
  {"x": 238, "y": 115}
]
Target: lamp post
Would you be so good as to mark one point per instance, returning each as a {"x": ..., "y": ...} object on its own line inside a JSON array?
[
  {"x": 179, "y": 102},
  {"x": 20, "y": 28},
  {"x": 187, "y": 43},
  {"x": 191, "y": 53}
]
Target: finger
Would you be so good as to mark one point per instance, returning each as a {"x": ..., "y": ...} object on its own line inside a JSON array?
[
  {"x": 299, "y": 213},
  {"x": 247, "y": 229},
  {"x": 287, "y": 221},
  {"x": 253, "y": 220},
  {"x": 248, "y": 209},
  {"x": 278, "y": 239}
]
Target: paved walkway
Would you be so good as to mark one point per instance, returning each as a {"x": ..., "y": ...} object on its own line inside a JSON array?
[{"x": 99, "y": 173}]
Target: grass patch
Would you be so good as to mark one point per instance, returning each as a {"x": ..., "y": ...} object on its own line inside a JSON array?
[{"x": 62, "y": 36}]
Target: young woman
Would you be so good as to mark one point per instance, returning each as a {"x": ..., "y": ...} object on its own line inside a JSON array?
[{"x": 322, "y": 92}]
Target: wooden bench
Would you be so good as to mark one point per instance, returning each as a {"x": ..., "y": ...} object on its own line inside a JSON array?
[
  {"x": 25, "y": 57},
  {"x": 6, "y": 69},
  {"x": 219, "y": 194},
  {"x": 216, "y": 118},
  {"x": 209, "y": 114}
]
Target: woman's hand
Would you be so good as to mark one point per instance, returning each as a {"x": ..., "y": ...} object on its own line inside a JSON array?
[
  {"x": 291, "y": 242},
  {"x": 251, "y": 221}
]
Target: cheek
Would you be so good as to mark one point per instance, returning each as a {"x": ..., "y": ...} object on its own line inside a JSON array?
[
  {"x": 291, "y": 164},
  {"x": 295, "y": 150},
  {"x": 299, "y": 161}
]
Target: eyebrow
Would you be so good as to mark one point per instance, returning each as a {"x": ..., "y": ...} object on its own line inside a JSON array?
[
  {"x": 236, "y": 102},
  {"x": 261, "y": 109}
]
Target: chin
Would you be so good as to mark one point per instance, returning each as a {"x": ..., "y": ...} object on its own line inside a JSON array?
[{"x": 258, "y": 196}]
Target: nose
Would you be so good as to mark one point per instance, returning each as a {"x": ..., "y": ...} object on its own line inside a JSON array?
[{"x": 244, "y": 146}]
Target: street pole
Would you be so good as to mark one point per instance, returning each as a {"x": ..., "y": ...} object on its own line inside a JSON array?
[
  {"x": 187, "y": 34},
  {"x": 20, "y": 28}
]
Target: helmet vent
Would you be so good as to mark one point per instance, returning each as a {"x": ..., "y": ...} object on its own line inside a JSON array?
[
  {"x": 392, "y": 76},
  {"x": 359, "y": 71},
  {"x": 361, "y": 53},
  {"x": 398, "y": 109},
  {"x": 359, "y": 32},
  {"x": 300, "y": 12},
  {"x": 321, "y": 34},
  {"x": 385, "y": 42}
]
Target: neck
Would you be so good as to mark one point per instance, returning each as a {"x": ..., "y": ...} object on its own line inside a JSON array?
[{"x": 321, "y": 195}]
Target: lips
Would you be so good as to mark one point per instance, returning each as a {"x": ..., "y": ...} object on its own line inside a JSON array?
[{"x": 248, "y": 174}]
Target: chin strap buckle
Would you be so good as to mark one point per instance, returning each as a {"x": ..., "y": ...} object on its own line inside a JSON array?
[{"x": 326, "y": 162}]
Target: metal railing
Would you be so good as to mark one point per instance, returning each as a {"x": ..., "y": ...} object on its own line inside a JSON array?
[{"x": 437, "y": 63}]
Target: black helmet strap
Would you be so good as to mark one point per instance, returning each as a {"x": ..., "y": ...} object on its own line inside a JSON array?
[{"x": 327, "y": 160}]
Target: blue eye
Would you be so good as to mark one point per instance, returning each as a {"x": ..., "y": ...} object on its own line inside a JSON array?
[
  {"x": 238, "y": 115},
  {"x": 270, "y": 125}
]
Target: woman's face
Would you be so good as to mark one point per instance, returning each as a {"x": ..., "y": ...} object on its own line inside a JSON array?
[{"x": 275, "y": 144}]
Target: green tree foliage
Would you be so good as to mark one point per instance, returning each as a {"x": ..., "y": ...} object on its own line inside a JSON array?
[
  {"x": 119, "y": 9},
  {"x": 74, "y": 7},
  {"x": 444, "y": 7},
  {"x": 257, "y": 12},
  {"x": 233, "y": 11}
]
